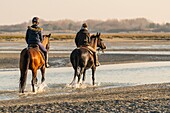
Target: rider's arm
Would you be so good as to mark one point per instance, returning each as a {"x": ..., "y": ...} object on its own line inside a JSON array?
[
  {"x": 76, "y": 40},
  {"x": 88, "y": 37},
  {"x": 27, "y": 36},
  {"x": 40, "y": 35}
]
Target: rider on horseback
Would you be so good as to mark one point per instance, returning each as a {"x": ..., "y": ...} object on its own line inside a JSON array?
[
  {"x": 83, "y": 40},
  {"x": 34, "y": 36}
]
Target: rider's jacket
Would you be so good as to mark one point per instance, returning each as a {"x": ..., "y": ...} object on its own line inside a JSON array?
[
  {"x": 82, "y": 38},
  {"x": 34, "y": 34}
]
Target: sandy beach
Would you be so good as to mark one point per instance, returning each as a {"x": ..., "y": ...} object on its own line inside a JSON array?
[{"x": 153, "y": 98}]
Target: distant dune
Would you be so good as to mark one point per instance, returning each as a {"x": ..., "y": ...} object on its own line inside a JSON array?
[{"x": 108, "y": 26}]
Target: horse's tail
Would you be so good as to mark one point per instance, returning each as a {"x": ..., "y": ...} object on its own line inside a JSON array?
[
  {"x": 74, "y": 58},
  {"x": 24, "y": 65}
]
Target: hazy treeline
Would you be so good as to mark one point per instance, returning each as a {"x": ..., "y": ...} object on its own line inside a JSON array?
[{"x": 108, "y": 26}]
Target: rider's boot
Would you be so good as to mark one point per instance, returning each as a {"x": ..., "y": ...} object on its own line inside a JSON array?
[
  {"x": 96, "y": 61},
  {"x": 46, "y": 60}
]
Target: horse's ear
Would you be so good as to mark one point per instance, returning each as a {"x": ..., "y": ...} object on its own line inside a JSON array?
[
  {"x": 49, "y": 35},
  {"x": 99, "y": 34}
]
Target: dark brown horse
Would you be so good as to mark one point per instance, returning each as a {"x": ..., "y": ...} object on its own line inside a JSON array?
[
  {"x": 82, "y": 59},
  {"x": 32, "y": 58}
]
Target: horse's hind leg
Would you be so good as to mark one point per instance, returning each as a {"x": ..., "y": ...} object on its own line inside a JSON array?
[
  {"x": 23, "y": 78},
  {"x": 43, "y": 74},
  {"x": 93, "y": 73},
  {"x": 79, "y": 75},
  {"x": 34, "y": 79},
  {"x": 84, "y": 75}
]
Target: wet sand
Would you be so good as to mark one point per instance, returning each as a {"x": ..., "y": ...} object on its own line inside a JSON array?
[
  {"x": 11, "y": 60},
  {"x": 153, "y": 98},
  {"x": 144, "y": 98}
]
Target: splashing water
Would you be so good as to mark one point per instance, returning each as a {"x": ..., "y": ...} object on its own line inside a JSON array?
[
  {"x": 40, "y": 87},
  {"x": 81, "y": 85}
]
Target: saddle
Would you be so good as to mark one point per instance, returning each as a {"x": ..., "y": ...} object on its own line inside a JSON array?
[
  {"x": 36, "y": 47},
  {"x": 33, "y": 46},
  {"x": 88, "y": 49}
]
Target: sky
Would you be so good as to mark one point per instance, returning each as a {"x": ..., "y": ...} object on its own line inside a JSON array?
[{"x": 19, "y": 11}]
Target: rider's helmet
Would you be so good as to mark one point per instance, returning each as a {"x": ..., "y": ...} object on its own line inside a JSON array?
[
  {"x": 35, "y": 20},
  {"x": 84, "y": 25}
]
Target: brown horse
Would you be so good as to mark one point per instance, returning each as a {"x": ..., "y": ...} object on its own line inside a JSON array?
[
  {"x": 32, "y": 58},
  {"x": 82, "y": 59}
]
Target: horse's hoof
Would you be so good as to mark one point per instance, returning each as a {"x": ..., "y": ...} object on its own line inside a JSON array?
[{"x": 47, "y": 65}]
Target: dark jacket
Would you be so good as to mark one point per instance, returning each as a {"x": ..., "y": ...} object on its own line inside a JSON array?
[
  {"x": 82, "y": 38},
  {"x": 34, "y": 35}
]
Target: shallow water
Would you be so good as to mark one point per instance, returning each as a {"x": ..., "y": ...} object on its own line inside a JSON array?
[
  {"x": 57, "y": 79},
  {"x": 110, "y": 45},
  {"x": 108, "y": 52}
]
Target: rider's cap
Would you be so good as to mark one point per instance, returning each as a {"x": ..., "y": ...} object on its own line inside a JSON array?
[
  {"x": 35, "y": 20},
  {"x": 84, "y": 25}
]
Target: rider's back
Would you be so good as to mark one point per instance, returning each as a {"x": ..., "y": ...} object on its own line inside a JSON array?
[
  {"x": 33, "y": 35},
  {"x": 82, "y": 38}
]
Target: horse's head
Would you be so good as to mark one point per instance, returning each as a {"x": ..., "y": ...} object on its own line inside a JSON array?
[
  {"x": 100, "y": 42},
  {"x": 46, "y": 42},
  {"x": 96, "y": 41}
]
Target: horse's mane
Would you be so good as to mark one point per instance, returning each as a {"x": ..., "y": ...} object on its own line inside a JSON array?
[
  {"x": 45, "y": 35},
  {"x": 46, "y": 39}
]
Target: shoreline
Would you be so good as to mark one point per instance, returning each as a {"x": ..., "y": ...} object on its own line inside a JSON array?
[{"x": 142, "y": 98}]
